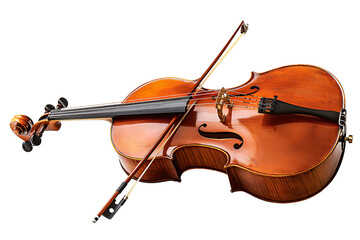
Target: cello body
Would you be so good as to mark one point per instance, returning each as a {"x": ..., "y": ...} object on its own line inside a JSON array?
[
  {"x": 279, "y": 158},
  {"x": 280, "y": 136}
]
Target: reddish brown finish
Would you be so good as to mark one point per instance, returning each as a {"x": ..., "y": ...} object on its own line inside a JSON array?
[
  {"x": 286, "y": 188},
  {"x": 141, "y": 163},
  {"x": 24, "y": 128},
  {"x": 283, "y": 158},
  {"x": 168, "y": 129}
]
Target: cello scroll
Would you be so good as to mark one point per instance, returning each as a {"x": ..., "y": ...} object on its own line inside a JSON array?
[{"x": 31, "y": 133}]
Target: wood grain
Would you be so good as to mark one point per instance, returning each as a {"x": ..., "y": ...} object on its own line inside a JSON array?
[{"x": 283, "y": 157}]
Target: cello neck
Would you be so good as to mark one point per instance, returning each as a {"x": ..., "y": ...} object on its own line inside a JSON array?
[{"x": 163, "y": 106}]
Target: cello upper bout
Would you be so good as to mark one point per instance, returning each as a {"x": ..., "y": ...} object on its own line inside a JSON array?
[
  {"x": 302, "y": 85},
  {"x": 161, "y": 88},
  {"x": 253, "y": 75}
]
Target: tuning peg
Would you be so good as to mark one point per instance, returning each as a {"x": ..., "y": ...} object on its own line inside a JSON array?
[
  {"x": 27, "y": 146},
  {"x": 35, "y": 140},
  {"x": 49, "y": 108},
  {"x": 62, "y": 103}
]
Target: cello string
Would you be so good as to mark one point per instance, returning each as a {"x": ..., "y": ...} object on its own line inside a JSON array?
[
  {"x": 235, "y": 105},
  {"x": 235, "y": 102},
  {"x": 137, "y": 101},
  {"x": 242, "y": 105},
  {"x": 253, "y": 97},
  {"x": 65, "y": 114},
  {"x": 69, "y": 112}
]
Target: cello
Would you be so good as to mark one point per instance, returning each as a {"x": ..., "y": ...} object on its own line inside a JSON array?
[{"x": 261, "y": 133}]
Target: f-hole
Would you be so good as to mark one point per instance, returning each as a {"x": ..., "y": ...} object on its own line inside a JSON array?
[{"x": 221, "y": 135}]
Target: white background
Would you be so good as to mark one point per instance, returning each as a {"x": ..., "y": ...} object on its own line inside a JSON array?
[{"x": 98, "y": 51}]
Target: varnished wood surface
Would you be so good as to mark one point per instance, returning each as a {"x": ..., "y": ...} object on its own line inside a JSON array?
[
  {"x": 24, "y": 128},
  {"x": 286, "y": 188},
  {"x": 274, "y": 146}
]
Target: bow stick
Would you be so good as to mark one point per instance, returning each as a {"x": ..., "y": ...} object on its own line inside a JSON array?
[{"x": 110, "y": 208}]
